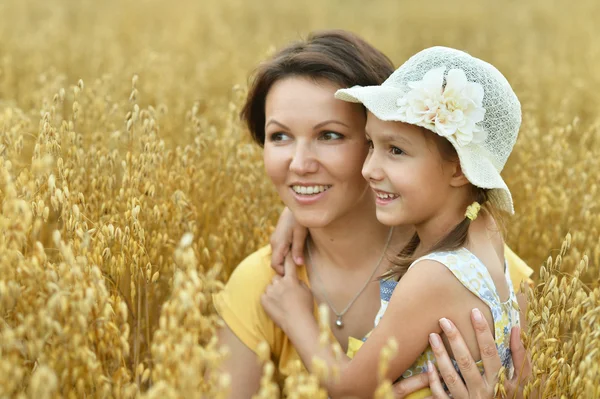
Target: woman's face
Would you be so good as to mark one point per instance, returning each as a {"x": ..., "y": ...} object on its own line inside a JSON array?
[
  {"x": 411, "y": 180},
  {"x": 314, "y": 150}
]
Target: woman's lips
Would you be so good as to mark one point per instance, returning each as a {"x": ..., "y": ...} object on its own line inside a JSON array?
[{"x": 309, "y": 194}]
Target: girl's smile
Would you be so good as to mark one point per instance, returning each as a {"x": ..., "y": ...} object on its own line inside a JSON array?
[{"x": 383, "y": 198}]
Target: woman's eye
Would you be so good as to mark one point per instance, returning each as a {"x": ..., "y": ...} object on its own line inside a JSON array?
[
  {"x": 370, "y": 144},
  {"x": 396, "y": 151},
  {"x": 279, "y": 137},
  {"x": 327, "y": 136}
]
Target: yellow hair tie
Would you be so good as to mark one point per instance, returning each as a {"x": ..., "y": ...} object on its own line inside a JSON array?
[{"x": 473, "y": 210}]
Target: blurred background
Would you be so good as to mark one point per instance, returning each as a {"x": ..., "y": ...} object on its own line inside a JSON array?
[
  {"x": 119, "y": 135},
  {"x": 193, "y": 53}
]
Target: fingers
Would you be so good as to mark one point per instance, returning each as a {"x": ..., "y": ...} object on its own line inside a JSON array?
[
  {"x": 449, "y": 374},
  {"x": 514, "y": 386},
  {"x": 281, "y": 239},
  {"x": 299, "y": 234},
  {"x": 278, "y": 254},
  {"x": 435, "y": 384},
  {"x": 264, "y": 300},
  {"x": 463, "y": 357},
  {"x": 410, "y": 385},
  {"x": 290, "y": 268},
  {"x": 487, "y": 347},
  {"x": 519, "y": 355},
  {"x": 516, "y": 347},
  {"x": 270, "y": 289}
]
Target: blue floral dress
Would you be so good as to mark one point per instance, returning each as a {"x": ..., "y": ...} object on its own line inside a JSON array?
[{"x": 473, "y": 274}]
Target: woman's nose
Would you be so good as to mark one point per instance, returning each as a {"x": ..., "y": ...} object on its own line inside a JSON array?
[{"x": 304, "y": 160}]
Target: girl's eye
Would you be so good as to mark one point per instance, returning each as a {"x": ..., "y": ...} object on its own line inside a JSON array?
[
  {"x": 279, "y": 137},
  {"x": 370, "y": 144},
  {"x": 328, "y": 136},
  {"x": 396, "y": 151}
]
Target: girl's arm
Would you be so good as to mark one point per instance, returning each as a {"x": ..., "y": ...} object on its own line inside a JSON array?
[{"x": 416, "y": 306}]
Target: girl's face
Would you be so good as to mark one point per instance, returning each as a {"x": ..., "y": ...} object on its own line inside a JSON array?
[
  {"x": 405, "y": 169},
  {"x": 314, "y": 149}
]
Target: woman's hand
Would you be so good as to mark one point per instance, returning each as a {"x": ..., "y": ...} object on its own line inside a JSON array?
[
  {"x": 477, "y": 386},
  {"x": 288, "y": 234},
  {"x": 406, "y": 386},
  {"x": 287, "y": 300},
  {"x": 514, "y": 387}
]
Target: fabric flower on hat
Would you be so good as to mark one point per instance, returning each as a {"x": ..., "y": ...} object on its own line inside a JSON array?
[{"x": 451, "y": 110}]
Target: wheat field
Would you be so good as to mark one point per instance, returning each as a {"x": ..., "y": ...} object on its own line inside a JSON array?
[{"x": 129, "y": 189}]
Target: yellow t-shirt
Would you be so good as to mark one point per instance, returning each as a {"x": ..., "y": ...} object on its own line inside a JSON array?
[
  {"x": 518, "y": 269},
  {"x": 239, "y": 306}
]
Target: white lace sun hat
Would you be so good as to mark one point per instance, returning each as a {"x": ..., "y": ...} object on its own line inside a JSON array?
[{"x": 459, "y": 97}]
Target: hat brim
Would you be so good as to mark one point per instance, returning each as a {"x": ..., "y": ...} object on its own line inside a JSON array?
[
  {"x": 381, "y": 101},
  {"x": 480, "y": 171}
]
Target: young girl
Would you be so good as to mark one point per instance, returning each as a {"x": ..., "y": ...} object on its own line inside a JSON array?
[{"x": 440, "y": 130}]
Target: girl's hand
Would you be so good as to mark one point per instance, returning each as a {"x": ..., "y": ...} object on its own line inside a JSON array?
[
  {"x": 288, "y": 234},
  {"x": 287, "y": 300}
]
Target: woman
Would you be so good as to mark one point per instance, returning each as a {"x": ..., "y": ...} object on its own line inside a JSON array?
[{"x": 314, "y": 151}]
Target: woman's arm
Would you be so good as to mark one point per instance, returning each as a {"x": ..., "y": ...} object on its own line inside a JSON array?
[
  {"x": 242, "y": 365},
  {"x": 246, "y": 324}
]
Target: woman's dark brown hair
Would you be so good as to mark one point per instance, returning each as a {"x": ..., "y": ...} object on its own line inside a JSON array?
[{"x": 338, "y": 56}]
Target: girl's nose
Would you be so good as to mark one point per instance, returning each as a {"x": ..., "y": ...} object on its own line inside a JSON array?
[{"x": 371, "y": 170}]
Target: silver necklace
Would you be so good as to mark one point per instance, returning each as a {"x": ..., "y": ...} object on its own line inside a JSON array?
[{"x": 338, "y": 322}]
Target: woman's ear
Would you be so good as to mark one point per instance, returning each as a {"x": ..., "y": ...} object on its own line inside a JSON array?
[{"x": 458, "y": 178}]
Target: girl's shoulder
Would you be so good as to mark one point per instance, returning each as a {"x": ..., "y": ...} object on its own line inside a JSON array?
[
  {"x": 452, "y": 259},
  {"x": 463, "y": 266},
  {"x": 431, "y": 273}
]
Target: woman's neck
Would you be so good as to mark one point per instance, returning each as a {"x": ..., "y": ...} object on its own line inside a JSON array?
[{"x": 352, "y": 240}]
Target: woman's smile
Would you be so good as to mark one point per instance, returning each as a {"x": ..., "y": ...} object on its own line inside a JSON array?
[{"x": 306, "y": 194}]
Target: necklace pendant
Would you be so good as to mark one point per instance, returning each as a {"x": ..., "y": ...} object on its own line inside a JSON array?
[{"x": 339, "y": 323}]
